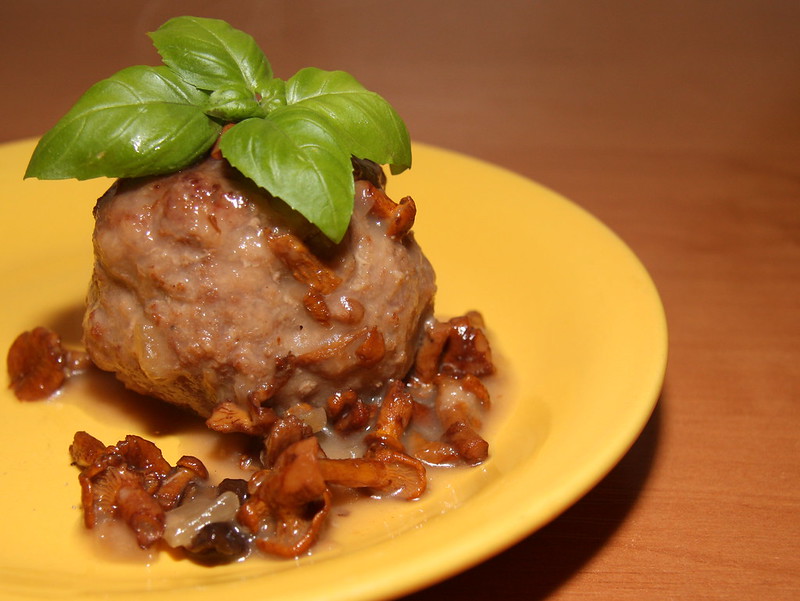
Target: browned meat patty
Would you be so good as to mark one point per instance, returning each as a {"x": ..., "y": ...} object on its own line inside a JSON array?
[{"x": 207, "y": 290}]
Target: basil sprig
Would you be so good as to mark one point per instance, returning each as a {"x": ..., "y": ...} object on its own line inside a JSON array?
[{"x": 294, "y": 138}]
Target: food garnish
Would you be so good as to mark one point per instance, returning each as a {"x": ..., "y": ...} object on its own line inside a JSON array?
[{"x": 292, "y": 137}]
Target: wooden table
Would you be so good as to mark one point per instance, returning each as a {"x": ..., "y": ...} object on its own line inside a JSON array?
[{"x": 678, "y": 125}]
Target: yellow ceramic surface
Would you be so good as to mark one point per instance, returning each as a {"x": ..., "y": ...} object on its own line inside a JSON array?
[{"x": 572, "y": 312}]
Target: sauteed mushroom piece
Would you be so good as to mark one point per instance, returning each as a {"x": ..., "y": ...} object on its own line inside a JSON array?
[
  {"x": 285, "y": 432},
  {"x": 398, "y": 217},
  {"x": 131, "y": 480},
  {"x": 187, "y": 471},
  {"x": 455, "y": 348},
  {"x": 467, "y": 350},
  {"x": 384, "y": 472},
  {"x": 38, "y": 364},
  {"x": 393, "y": 418},
  {"x": 119, "y": 481},
  {"x": 233, "y": 417},
  {"x": 347, "y": 412},
  {"x": 289, "y": 503},
  {"x": 460, "y": 404}
]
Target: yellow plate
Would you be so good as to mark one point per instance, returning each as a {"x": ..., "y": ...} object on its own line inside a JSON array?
[{"x": 570, "y": 308}]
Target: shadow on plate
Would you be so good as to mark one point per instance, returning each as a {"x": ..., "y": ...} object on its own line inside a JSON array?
[
  {"x": 537, "y": 566},
  {"x": 67, "y": 323},
  {"x": 105, "y": 394}
]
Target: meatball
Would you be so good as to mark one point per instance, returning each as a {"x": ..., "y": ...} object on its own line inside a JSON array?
[{"x": 208, "y": 290}]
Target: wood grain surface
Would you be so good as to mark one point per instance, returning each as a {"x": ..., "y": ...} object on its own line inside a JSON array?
[{"x": 675, "y": 122}]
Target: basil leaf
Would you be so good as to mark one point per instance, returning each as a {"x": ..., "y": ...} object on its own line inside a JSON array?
[
  {"x": 212, "y": 55},
  {"x": 365, "y": 124},
  {"x": 273, "y": 95},
  {"x": 233, "y": 104},
  {"x": 140, "y": 121},
  {"x": 294, "y": 155}
]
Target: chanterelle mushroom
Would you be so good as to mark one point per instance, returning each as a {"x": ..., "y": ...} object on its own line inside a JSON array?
[
  {"x": 38, "y": 364},
  {"x": 130, "y": 480},
  {"x": 460, "y": 404},
  {"x": 288, "y": 504}
]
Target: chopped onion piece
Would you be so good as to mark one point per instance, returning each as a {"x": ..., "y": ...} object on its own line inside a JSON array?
[
  {"x": 184, "y": 522},
  {"x": 314, "y": 417}
]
